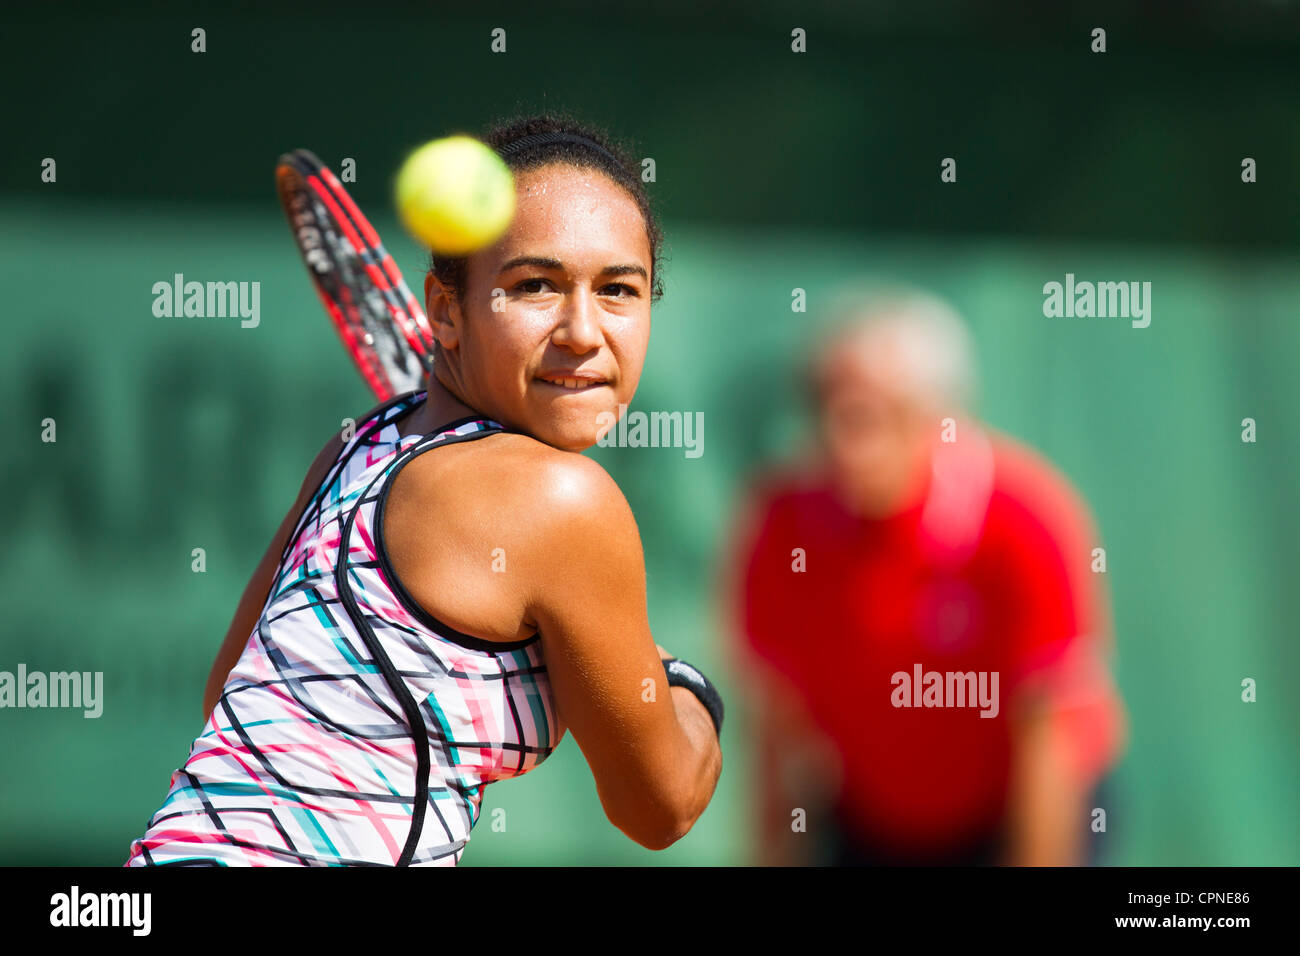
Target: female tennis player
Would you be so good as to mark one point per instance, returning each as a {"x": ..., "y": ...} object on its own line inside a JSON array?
[{"x": 455, "y": 586}]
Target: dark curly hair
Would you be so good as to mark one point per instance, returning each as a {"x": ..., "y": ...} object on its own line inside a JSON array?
[{"x": 618, "y": 166}]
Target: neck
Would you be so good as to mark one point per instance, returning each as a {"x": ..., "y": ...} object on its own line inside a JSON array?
[
  {"x": 441, "y": 406},
  {"x": 908, "y": 494}
]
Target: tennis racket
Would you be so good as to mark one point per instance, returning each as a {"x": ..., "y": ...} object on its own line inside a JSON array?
[{"x": 381, "y": 324}]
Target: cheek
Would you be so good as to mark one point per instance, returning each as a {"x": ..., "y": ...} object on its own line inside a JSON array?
[
  {"x": 503, "y": 346},
  {"x": 631, "y": 343},
  {"x": 631, "y": 368}
]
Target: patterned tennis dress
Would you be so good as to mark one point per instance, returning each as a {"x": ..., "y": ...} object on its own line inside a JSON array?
[{"x": 356, "y": 729}]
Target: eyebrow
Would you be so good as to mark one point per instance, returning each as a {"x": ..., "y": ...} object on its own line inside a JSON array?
[{"x": 546, "y": 262}]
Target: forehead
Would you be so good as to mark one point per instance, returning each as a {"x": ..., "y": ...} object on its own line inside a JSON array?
[
  {"x": 865, "y": 367},
  {"x": 575, "y": 210}
]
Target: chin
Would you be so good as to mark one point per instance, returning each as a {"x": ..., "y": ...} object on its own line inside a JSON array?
[
  {"x": 864, "y": 499},
  {"x": 571, "y": 429},
  {"x": 566, "y": 436},
  {"x": 572, "y": 440}
]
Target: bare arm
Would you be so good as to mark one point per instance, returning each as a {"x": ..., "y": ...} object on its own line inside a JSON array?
[
  {"x": 259, "y": 585},
  {"x": 797, "y": 769},
  {"x": 1067, "y": 729},
  {"x": 1047, "y": 812},
  {"x": 1066, "y": 718},
  {"x": 652, "y": 750}
]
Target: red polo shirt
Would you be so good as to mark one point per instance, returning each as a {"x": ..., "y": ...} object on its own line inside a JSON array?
[{"x": 989, "y": 572}]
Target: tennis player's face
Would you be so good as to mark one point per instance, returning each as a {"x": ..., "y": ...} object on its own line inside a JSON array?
[{"x": 557, "y": 313}]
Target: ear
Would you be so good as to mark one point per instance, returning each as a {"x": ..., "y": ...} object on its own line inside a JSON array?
[{"x": 443, "y": 311}]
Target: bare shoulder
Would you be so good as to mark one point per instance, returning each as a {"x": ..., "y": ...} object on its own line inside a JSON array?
[
  {"x": 460, "y": 514},
  {"x": 524, "y": 481}
]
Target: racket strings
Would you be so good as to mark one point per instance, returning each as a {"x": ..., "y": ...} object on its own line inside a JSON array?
[{"x": 379, "y": 320}]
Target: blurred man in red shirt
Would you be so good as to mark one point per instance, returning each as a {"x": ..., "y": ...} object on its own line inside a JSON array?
[{"x": 925, "y": 631}]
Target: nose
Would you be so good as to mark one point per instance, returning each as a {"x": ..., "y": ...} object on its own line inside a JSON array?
[{"x": 579, "y": 330}]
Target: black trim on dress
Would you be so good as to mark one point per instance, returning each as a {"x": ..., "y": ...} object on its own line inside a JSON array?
[{"x": 399, "y": 589}]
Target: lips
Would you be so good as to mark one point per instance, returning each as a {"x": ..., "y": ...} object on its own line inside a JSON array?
[{"x": 572, "y": 380}]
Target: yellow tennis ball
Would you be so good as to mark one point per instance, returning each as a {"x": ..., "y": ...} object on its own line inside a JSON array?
[{"x": 456, "y": 195}]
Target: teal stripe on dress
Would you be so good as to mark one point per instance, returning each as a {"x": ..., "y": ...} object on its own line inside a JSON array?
[
  {"x": 320, "y": 841},
  {"x": 533, "y": 692},
  {"x": 445, "y": 726},
  {"x": 344, "y": 648},
  {"x": 391, "y": 789}
]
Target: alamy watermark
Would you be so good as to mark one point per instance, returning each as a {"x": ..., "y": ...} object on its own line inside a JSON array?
[
  {"x": 1085, "y": 300},
  {"x": 208, "y": 300},
  {"x": 78, "y": 909},
  {"x": 652, "y": 430},
  {"x": 74, "y": 689},
  {"x": 946, "y": 689}
]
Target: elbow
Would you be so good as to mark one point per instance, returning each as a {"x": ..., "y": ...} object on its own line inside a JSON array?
[
  {"x": 659, "y": 815},
  {"x": 657, "y": 828},
  {"x": 677, "y": 827},
  {"x": 663, "y": 837}
]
